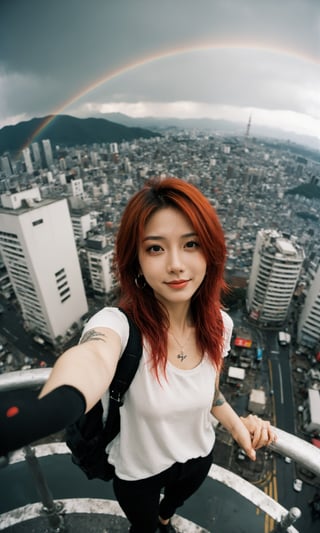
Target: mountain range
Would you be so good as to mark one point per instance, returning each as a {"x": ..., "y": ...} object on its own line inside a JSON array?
[
  {"x": 65, "y": 130},
  {"x": 218, "y": 126}
]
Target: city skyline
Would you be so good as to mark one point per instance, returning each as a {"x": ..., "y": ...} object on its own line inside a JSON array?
[
  {"x": 179, "y": 59},
  {"x": 262, "y": 173}
]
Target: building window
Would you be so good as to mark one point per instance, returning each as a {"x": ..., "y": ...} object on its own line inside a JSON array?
[
  {"x": 61, "y": 271},
  {"x": 62, "y": 285},
  {"x": 37, "y": 222}
]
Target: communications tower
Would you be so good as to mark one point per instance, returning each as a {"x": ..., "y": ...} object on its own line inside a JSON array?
[{"x": 246, "y": 137}]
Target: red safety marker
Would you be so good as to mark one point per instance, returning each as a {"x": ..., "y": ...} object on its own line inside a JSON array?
[{"x": 12, "y": 411}]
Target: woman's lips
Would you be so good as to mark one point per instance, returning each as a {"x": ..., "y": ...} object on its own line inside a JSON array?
[{"x": 178, "y": 284}]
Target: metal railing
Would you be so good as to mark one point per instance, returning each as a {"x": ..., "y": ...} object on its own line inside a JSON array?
[{"x": 287, "y": 445}]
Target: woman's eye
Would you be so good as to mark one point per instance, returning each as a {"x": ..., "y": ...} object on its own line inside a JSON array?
[
  {"x": 155, "y": 248},
  {"x": 192, "y": 244}
]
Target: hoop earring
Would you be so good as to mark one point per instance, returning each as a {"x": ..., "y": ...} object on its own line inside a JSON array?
[{"x": 140, "y": 281}]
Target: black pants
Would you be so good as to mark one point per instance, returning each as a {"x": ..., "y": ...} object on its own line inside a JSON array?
[{"x": 140, "y": 500}]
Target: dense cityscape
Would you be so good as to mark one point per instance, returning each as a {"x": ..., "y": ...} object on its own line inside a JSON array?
[
  {"x": 60, "y": 208},
  {"x": 96, "y": 98},
  {"x": 252, "y": 184}
]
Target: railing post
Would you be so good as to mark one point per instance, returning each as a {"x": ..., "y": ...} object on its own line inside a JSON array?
[
  {"x": 287, "y": 520},
  {"x": 51, "y": 508}
]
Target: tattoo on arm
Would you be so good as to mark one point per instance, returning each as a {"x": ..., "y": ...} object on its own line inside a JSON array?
[
  {"x": 92, "y": 335},
  {"x": 218, "y": 398}
]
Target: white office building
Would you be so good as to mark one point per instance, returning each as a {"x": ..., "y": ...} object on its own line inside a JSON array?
[
  {"x": 82, "y": 222},
  {"x": 38, "y": 248},
  {"x": 47, "y": 150},
  {"x": 27, "y": 160},
  {"x": 114, "y": 148},
  {"x": 6, "y": 165},
  {"x": 276, "y": 265},
  {"x": 36, "y": 154},
  {"x": 311, "y": 413},
  {"x": 309, "y": 321},
  {"x": 100, "y": 257},
  {"x": 75, "y": 186}
]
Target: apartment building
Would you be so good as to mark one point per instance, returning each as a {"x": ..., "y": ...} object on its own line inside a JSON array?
[
  {"x": 309, "y": 321},
  {"x": 276, "y": 265},
  {"x": 100, "y": 256},
  {"x": 47, "y": 152},
  {"x": 38, "y": 248}
]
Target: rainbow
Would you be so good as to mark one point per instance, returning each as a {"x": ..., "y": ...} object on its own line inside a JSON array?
[{"x": 164, "y": 54}]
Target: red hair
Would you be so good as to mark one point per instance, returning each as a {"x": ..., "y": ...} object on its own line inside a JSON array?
[{"x": 149, "y": 315}]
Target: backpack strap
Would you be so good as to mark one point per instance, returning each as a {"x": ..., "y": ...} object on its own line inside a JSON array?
[
  {"x": 88, "y": 437},
  {"x": 127, "y": 365},
  {"x": 125, "y": 372}
]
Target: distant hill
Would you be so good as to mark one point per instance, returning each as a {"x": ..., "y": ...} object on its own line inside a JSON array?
[
  {"x": 222, "y": 127},
  {"x": 66, "y": 130},
  {"x": 309, "y": 190},
  {"x": 161, "y": 123}
]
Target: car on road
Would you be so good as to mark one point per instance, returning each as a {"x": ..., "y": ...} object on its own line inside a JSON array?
[
  {"x": 284, "y": 338},
  {"x": 38, "y": 340},
  {"x": 297, "y": 485}
]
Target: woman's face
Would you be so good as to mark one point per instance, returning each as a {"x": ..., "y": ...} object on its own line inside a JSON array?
[{"x": 170, "y": 256}]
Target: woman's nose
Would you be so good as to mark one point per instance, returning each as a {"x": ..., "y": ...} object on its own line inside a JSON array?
[{"x": 175, "y": 262}]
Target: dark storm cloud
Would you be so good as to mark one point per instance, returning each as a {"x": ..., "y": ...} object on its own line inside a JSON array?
[
  {"x": 37, "y": 36},
  {"x": 51, "y": 51}
]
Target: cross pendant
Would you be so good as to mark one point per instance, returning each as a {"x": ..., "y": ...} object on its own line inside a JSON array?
[{"x": 181, "y": 356}]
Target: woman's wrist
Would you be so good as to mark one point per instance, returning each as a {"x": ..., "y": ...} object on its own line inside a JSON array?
[{"x": 25, "y": 418}]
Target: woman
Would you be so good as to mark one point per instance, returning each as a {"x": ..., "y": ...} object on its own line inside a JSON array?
[{"x": 170, "y": 257}]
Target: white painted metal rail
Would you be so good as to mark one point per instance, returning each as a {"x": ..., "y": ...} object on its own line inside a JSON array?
[{"x": 287, "y": 445}]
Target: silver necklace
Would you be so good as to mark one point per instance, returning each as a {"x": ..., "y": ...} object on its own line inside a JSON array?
[{"x": 181, "y": 355}]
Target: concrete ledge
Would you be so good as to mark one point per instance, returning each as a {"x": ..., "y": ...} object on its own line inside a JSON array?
[{"x": 82, "y": 515}]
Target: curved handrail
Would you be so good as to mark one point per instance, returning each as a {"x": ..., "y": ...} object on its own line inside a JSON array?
[
  {"x": 243, "y": 487},
  {"x": 24, "y": 379},
  {"x": 287, "y": 444},
  {"x": 299, "y": 450}
]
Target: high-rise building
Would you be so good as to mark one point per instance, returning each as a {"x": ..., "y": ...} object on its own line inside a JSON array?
[
  {"x": 47, "y": 150},
  {"x": 309, "y": 321},
  {"x": 100, "y": 256},
  {"x": 82, "y": 223},
  {"x": 114, "y": 152},
  {"x": 36, "y": 154},
  {"x": 114, "y": 148},
  {"x": 94, "y": 157},
  {"x": 6, "y": 165},
  {"x": 27, "y": 160},
  {"x": 75, "y": 186},
  {"x": 5, "y": 284},
  {"x": 276, "y": 265},
  {"x": 39, "y": 252}
]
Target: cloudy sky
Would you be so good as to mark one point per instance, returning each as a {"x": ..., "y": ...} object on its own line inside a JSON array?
[{"x": 166, "y": 58}]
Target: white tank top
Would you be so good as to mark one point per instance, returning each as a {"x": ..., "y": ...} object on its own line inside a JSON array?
[{"x": 161, "y": 423}]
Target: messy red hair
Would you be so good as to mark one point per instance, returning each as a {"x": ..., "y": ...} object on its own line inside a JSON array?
[{"x": 149, "y": 315}]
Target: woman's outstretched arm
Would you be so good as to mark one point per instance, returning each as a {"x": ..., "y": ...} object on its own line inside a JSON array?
[
  {"x": 89, "y": 366},
  {"x": 77, "y": 381}
]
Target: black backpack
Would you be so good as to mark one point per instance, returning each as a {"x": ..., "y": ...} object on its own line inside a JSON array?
[{"x": 88, "y": 437}]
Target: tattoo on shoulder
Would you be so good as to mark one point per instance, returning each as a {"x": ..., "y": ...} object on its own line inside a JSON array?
[
  {"x": 218, "y": 399},
  {"x": 92, "y": 335}
]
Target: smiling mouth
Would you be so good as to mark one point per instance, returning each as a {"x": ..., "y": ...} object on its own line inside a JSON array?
[{"x": 178, "y": 284}]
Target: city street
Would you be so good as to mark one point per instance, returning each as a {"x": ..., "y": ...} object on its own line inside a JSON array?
[
  {"x": 21, "y": 342},
  {"x": 215, "y": 507},
  {"x": 283, "y": 411}
]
